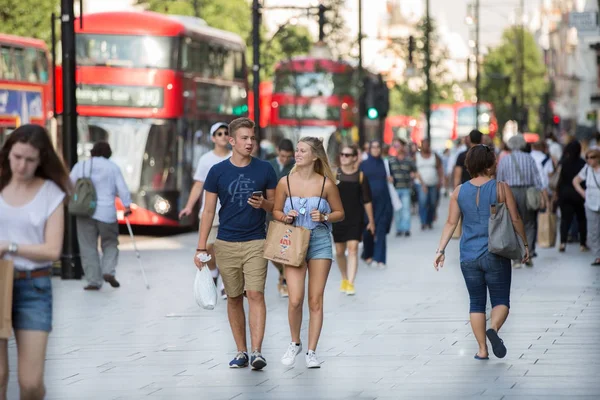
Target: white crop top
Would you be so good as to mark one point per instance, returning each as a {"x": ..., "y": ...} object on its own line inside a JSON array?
[{"x": 26, "y": 224}]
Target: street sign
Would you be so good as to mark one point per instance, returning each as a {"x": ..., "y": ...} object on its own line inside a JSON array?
[{"x": 586, "y": 21}]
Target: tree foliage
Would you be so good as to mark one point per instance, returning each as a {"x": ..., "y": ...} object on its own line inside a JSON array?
[
  {"x": 235, "y": 16},
  {"x": 408, "y": 97},
  {"x": 30, "y": 18},
  {"x": 336, "y": 30},
  {"x": 500, "y": 82}
]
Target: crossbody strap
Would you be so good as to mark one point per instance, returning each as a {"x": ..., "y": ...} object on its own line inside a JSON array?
[
  {"x": 289, "y": 190},
  {"x": 322, "y": 190},
  {"x": 593, "y": 176},
  {"x": 91, "y": 167},
  {"x": 517, "y": 167}
]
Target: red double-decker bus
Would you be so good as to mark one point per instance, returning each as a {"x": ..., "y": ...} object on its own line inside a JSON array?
[
  {"x": 314, "y": 97},
  {"x": 152, "y": 85},
  {"x": 25, "y": 86},
  {"x": 453, "y": 121}
]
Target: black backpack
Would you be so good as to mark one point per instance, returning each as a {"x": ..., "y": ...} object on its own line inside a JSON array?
[{"x": 84, "y": 199}]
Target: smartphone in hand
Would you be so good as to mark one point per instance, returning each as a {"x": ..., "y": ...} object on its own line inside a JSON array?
[{"x": 257, "y": 193}]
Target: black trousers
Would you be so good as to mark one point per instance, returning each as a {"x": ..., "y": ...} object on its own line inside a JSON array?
[{"x": 568, "y": 210}]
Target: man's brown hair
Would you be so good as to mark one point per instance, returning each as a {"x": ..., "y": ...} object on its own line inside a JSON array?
[{"x": 239, "y": 123}]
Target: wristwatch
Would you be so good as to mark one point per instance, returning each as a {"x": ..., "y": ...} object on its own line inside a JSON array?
[
  {"x": 326, "y": 217},
  {"x": 13, "y": 248},
  {"x": 442, "y": 252}
]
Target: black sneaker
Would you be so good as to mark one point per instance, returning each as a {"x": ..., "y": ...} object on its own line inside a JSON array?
[
  {"x": 257, "y": 361},
  {"x": 407, "y": 234},
  {"x": 398, "y": 234}
]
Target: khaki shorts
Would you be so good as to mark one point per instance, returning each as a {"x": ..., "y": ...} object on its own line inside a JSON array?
[{"x": 242, "y": 266}]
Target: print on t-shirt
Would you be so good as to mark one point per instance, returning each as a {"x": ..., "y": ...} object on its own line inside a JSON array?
[{"x": 241, "y": 189}]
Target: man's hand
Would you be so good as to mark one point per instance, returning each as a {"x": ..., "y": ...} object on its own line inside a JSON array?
[
  {"x": 201, "y": 258},
  {"x": 256, "y": 202},
  {"x": 187, "y": 211}
]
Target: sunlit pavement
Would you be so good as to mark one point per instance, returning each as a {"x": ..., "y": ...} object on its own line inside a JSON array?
[{"x": 404, "y": 335}]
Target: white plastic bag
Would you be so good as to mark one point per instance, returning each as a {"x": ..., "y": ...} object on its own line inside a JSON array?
[
  {"x": 396, "y": 202},
  {"x": 205, "y": 291}
]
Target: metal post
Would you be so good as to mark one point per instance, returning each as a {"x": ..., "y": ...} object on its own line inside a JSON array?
[
  {"x": 477, "y": 67},
  {"x": 53, "y": 34},
  {"x": 361, "y": 92},
  {"x": 196, "y": 9},
  {"x": 256, "y": 65},
  {"x": 70, "y": 260},
  {"x": 322, "y": 9},
  {"x": 522, "y": 113},
  {"x": 428, "y": 70}
]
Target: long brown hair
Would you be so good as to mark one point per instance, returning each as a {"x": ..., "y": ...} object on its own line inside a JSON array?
[
  {"x": 51, "y": 166},
  {"x": 322, "y": 166}
]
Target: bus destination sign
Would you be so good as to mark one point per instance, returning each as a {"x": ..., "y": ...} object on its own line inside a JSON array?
[{"x": 120, "y": 96}]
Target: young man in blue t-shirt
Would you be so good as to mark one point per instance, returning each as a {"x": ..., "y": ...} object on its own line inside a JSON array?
[{"x": 241, "y": 236}]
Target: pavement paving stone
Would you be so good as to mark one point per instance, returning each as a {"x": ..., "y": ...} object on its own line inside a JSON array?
[{"x": 405, "y": 335}]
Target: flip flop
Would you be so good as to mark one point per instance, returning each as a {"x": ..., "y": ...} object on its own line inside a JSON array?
[
  {"x": 480, "y": 358},
  {"x": 497, "y": 343}
]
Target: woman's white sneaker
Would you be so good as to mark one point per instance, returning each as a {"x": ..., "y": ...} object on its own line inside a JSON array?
[
  {"x": 289, "y": 358},
  {"x": 311, "y": 360}
]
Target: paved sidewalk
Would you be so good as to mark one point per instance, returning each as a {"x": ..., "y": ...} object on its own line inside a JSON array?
[{"x": 404, "y": 335}]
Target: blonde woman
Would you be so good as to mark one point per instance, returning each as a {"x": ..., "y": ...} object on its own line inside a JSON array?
[{"x": 309, "y": 197}]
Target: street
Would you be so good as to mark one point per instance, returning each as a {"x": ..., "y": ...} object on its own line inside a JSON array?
[{"x": 404, "y": 335}]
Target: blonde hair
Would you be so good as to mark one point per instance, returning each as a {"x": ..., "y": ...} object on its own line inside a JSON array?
[
  {"x": 322, "y": 166},
  {"x": 593, "y": 151}
]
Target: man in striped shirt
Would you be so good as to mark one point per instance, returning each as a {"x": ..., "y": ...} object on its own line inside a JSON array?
[{"x": 520, "y": 172}]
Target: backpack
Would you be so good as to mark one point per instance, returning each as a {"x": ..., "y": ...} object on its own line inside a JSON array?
[{"x": 84, "y": 198}]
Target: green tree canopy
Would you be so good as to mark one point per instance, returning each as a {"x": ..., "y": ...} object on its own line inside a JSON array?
[
  {"x": 30, "y": 18},
  {"x": 408, "y": 98},
  {"x": 500, "y": 83}
]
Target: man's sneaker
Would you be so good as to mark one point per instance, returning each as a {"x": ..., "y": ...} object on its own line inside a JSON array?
[
  {"x": 240, "y": 360},
  {"x": 289, "y": 358},
  {"x": 350, "y": 291},
  {"x": 311, "y": 360},
  {"x": 257, "y": 361},
  {"x": 344, "y": 286}
]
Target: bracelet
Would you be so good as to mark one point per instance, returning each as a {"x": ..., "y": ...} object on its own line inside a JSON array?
[
  {"x": 442, "y": 252},
  {"x": 201, "y": 250}
]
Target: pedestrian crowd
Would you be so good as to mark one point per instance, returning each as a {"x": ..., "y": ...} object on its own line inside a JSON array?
[{"x": 360, "y": 197}]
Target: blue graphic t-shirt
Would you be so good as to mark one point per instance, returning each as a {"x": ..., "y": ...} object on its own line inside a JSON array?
[{"x": 240, "y": 222}]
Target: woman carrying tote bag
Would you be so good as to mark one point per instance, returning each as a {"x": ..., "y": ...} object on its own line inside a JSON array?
[
  {"x": 482, "y": 269},
  {"x": 308, "y": 197}
]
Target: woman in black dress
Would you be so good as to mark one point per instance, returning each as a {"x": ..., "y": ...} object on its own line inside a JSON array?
[{"x": 356, "y": 199}]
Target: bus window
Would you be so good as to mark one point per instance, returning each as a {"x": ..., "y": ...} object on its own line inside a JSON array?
[
  {"x": 8, "y": 66},
  {"x": 43, "y": 66},
  {"x": 239, "y": 65},
  {"x": 32, "y": 69},
  {"x": 20, "y": 63}
]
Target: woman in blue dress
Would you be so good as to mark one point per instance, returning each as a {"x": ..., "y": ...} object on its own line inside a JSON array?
[
  {"x": 309, "y": 197},
  {"x": 374, "y": 246}
]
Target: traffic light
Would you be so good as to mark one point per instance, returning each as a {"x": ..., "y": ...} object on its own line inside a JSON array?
[
  {"x": 556, "y": 120},
  {"x": 376, "y": 98},
  {"x": 411, "y": 48},
  {"x": 372, "y": 113},
  {"x": 382, "y": 98}
]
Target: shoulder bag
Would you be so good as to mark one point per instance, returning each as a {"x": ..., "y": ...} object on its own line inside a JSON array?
[{"x": 502, "y": 238}]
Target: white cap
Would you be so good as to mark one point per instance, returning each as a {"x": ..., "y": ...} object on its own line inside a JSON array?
[{"x": 216, "y": 126}]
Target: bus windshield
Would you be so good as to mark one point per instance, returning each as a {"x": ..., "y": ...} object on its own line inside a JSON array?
[
  {"x": 466, "y": 115},
  {"x": 126, "y": 51},
  {"x": 145, "y": 150},
  {"x": 313, "y": 84}
]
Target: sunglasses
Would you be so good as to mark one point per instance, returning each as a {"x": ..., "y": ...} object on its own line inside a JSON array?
[
  {"x": 221, "y": 133},
  {"x": 591, "y": 157},
  {"x": 348, "y": 155}
]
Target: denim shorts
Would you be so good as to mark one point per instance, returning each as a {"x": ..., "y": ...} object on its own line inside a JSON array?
[
  {"x": 488, "y": 272},
  {"x": 32, "y": 304},
  {"x": 320, "y": 246}
]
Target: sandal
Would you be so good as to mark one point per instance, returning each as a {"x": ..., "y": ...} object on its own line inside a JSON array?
[
  {"x": 596, "y": 263},
  {"x": 562, "y": 248},
  {"x": 497, "y": 343}
]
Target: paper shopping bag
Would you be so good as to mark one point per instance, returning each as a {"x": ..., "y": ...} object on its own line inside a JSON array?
[
  {"x": 286, "y": 244},
  {"x": 6, "y": 296},
  {"x": 546, "y": 237}
]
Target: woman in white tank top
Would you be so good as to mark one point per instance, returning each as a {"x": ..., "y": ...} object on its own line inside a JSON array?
[
  {"x": 430, "y": 178},
  {"x": 33, "y": 183}
]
